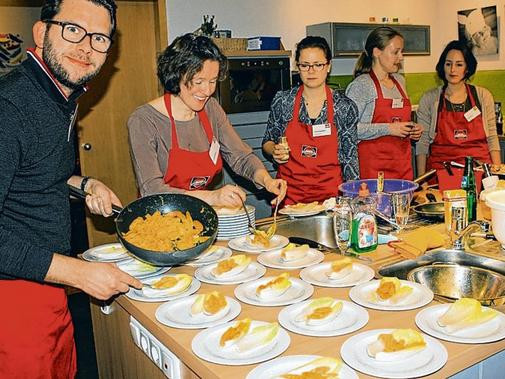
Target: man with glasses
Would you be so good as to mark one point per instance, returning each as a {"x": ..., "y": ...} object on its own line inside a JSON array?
[{"x": 37, "y": 115}]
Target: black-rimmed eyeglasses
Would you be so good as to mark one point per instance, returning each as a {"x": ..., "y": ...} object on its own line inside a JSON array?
[
  {"x": 74, "y": 33},
  {"x": 314, "y": 66}
]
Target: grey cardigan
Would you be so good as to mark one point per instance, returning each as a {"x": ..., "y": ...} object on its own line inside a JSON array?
[{"x": 427, "y": 117}]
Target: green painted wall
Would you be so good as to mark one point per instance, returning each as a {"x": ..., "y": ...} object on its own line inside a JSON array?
[{"x": 418, "y": 83}]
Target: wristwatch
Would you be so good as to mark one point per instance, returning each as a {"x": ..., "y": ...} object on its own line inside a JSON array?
[{"x": 84, "y": 182}]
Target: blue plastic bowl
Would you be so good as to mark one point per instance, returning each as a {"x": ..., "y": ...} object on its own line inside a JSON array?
[{"x": 351, "y": 189}]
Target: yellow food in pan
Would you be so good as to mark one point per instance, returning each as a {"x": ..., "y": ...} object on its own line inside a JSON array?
[{"x": 168, "y": 232}]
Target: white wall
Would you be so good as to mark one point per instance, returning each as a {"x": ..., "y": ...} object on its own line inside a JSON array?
[{"x": 288, "y": 18}]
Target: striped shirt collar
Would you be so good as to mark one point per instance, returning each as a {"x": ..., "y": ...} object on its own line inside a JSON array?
[{"x": 47, "y": 80}]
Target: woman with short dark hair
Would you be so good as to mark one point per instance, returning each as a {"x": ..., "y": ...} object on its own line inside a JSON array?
[
  {"x": 320, "y": 127},
  {"x": 458, "y": 118},
  {"x": 385, "y": 129},
  {"x": 179, "y": 140}
]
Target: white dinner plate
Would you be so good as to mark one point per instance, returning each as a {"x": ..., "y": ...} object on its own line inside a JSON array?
[
  {"x": 352, "y": 317},
  {"x": 298, "y": 291},
  {"x": 211, "y": 255},
  {"x": 420, "y": 296},
  {"x": 206, "y": 346},
  {"x": 176, "y": 314},
  {"x": 110, "y": 252},
  {"x": 141, "y": 270},
  {"x": 295, "y": 213},
  {"x": 242, "y": 244},
  {"x": 138, "y": 295},
  {"x": 273, "y": 259},
  {"x": 425, "y": 362},
  {"x": 281, "y": 365},
  {"x": 490, "y": 331},
  {"x": 252, "y": 272},
  {"x": 317, "y": 275}
]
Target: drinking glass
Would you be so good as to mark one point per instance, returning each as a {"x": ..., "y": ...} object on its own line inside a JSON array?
[
  {"x": 401, "y": 207},
  {"x": 342, "y": 218}
]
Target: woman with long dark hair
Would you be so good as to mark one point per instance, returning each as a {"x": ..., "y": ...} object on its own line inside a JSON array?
[
  {"x": 320, "y": 127},
  {"x": 385, "y": 129},
  {"x": 458, "y": 118},
  {"x": 179, "y": 140}
]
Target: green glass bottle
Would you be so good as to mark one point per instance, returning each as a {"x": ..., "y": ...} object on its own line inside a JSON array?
[{"x": 468, "y": 184}]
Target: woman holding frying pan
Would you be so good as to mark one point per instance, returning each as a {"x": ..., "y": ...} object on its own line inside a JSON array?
[{"x": 179, "y": 140}]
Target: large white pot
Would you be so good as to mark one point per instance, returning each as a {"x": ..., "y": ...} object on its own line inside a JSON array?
[{"x": 496, "y": 201}]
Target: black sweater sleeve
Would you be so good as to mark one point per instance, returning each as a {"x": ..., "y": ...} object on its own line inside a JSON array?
[{"x": 18, "y": 257}]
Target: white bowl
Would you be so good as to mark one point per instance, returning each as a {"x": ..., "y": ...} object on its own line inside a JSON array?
[{"x": 496, "y": 201}]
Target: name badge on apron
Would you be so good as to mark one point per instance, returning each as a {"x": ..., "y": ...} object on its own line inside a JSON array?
[
  {"x": 397, "y": 103},
  {"x": 460, "y": 134},
  {"x": 472, "y": 113},
  {"x": 214, "y": 150},
  {"x": 321, "y": 130}
]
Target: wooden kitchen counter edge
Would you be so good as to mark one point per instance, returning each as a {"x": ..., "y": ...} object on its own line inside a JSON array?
[{"x": 179, "y": 340}]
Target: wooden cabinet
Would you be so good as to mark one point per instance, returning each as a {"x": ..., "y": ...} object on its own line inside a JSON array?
[
  {"x": 116, "y": 353},
  {"x": 348, "y": 39}
]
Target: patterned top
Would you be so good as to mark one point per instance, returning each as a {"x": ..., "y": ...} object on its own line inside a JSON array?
[{"x": 346, "y": 119}]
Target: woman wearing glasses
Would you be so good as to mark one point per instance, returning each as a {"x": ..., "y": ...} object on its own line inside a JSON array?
[
  {"x": 385, "y": 129},
  {"x": 179, "y": 141},
  {"x": 320, "y": 128}
]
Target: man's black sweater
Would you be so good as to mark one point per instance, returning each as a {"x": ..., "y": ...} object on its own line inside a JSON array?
[{"x": 36, "y": 160}]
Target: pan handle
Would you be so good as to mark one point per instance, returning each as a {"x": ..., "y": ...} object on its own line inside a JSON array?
[{"x": 80, "y": 194}]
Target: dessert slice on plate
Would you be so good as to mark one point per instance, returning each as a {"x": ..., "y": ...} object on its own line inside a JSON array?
[
  {"x": 340, "y": 268},
  {"x": 398, "y": 345},
  {"x": 320, "y": 311},
  {"x": 465, "y": 313},
  {"x": 211, "y": 305},
  {"x": 320, "y": 368},
  {"x": 275, "y": 287},
  {"x": 390, "y": 291},
  {"x": 231, "y": 266},
  {"x": 293, "y": 252},
  {"x": 167, "y": 285}
]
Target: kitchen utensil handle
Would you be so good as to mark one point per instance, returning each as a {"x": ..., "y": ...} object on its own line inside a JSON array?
[
  {"x": 80, "y": 194},
  {"x": 424, "y": 176}
]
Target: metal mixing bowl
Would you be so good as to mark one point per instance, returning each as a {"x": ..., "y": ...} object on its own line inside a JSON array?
[{"x": 454, "y": 282}]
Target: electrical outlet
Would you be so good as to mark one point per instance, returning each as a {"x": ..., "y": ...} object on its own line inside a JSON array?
[{"x": 155, "y": 350}]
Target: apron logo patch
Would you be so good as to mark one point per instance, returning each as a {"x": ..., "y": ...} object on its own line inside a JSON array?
[
  {"x": 309, "y": 151},
  {"x": 198, "y": 182},
  {"x": 460, "y": 134}
]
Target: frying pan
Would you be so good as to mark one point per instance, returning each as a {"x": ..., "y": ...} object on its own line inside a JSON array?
[
  {"x": 433, "y": 210},
  {"x": 165, "y": 202}
]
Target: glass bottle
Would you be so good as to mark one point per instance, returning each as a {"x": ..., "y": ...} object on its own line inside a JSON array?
[
  {"x": 468, "y": 184},
  {"x": 364, "y": 224}
]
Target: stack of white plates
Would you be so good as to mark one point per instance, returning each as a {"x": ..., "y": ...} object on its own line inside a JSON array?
[{"x": 235, "y": 225}]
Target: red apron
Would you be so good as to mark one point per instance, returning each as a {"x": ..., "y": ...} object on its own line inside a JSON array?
[
  {"x": 390, "y": 154},
  {"x": 187, "y": 169},
  {"x": 313, "y": 170},
  {"x": 457, "y": 138},
  {"x": 37, "y": 335}
]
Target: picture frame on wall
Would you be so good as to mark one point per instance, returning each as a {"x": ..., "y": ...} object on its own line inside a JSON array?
[
  {"x": 11, "y": 51},
  {"x": 479, "y": 28}
]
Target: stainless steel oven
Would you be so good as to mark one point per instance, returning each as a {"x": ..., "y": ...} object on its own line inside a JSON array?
[{"x": 252, "y": 82}]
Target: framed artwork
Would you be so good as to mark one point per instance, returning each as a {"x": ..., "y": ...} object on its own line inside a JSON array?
[
  {"x": 479, "y": 28},
  {"x": 11, "y": 51}
]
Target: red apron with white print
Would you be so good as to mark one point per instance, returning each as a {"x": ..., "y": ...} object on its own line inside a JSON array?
[
  {"x": 458, "y": 138},
  {"x": 390, "y": 154},
  {"x": 313, "y": 171},
  {"x": 187, "y": 169},
  {"x": 37, "y": 335}
]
